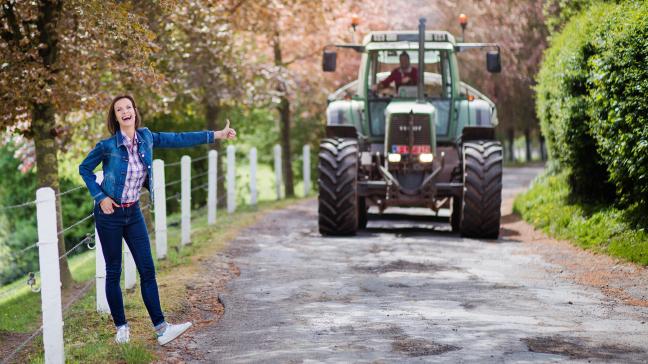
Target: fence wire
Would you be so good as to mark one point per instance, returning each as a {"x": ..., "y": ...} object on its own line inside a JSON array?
[
  {"x": 89, "y": 238},
  {"x": 12, "y": 207},
  {"x": 76, "y": 224}
]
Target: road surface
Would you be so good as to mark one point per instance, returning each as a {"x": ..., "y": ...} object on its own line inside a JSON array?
[{"x": 408, "y": 291}]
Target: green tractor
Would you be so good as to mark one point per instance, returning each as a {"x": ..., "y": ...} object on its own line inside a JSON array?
[{"x": 427, "y": 142}]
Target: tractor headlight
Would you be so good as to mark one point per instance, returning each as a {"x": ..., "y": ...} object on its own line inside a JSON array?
[
  {"x": 393, "y": 158},
  {"x": 426, "y": 157}
]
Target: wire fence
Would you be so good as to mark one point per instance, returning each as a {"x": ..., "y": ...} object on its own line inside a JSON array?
[
  {"x": 91, "y": 242},
  {"x": 88, "y": 239}
]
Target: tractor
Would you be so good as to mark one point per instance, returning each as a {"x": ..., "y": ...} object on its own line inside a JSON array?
[{"x": 428, "y": 143}]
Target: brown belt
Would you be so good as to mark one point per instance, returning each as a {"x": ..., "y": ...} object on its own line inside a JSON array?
[{"x": 127, "y": 204}]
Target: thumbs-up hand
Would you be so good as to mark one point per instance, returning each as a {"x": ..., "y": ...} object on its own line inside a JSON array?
[{"x": 226, "y": 133}]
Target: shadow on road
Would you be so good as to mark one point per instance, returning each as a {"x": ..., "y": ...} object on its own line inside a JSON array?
[{"x": 408, "y": 225}]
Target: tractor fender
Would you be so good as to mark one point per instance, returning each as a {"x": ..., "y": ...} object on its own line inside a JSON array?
[
  {"x": 477, "y": 133},
  {"x": 341, "y": 131},
  {"x": 476, "y": 112}
]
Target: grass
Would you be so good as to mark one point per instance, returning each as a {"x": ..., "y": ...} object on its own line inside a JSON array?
[
  {"x": 20, "y": 311},
  {"x": 520, "y": 164},
  {"x": 89, "y": 336},
  {"x": 603, "y": 229}
]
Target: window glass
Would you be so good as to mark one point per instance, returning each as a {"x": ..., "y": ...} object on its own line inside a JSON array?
[{"x": 437, "y": 85}]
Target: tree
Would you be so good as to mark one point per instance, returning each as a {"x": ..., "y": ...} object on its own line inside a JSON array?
[
  {"x": 291, "y": 31},
  {"x": 59, "y": 56},
  {"x": 201, "y": 57},
  {"x": 518, "y": 27}
]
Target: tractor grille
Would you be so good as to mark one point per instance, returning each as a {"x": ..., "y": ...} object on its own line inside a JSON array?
[{"x": 399, "y": 130}]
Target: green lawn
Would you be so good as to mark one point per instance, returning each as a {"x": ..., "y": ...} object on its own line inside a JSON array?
[{"x": 603, "y": 229}]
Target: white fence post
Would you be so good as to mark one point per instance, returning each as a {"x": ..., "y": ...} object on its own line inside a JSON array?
[
  {"x": 185, "y": 199},
  {"x": 253, "y": 168},
  {"x": 212, "y": 182},
  {"x": 48, "y": 260},
  {"x": 129, "y": 268},
  {"x": 306, "y": 164},
  {"x": 277, "y": 168},
  {"x": 100, "y": 267},
  {"x": 231, "y": 179},
  {"x": 159, "y": 204}
]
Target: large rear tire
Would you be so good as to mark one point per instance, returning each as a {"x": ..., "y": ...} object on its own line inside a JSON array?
[
  {"x": 482, "y": 193},
  {"x": 338, "y": 186}
]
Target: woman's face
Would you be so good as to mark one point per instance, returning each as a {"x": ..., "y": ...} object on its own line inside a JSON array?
[{"x": 125, "y": 113}]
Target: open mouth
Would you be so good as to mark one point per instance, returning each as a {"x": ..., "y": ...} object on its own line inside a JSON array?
[{"x": 126, "y": 118}]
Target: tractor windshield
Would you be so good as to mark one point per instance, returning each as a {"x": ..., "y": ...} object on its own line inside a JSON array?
[
  {"x": 393, "y": 74},
  {"x": 389, "y": 71}
]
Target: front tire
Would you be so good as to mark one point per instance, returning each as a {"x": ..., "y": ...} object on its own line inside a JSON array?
[
  {"x": 482, "y": 192},
  {"x": 338, "y": 187}
]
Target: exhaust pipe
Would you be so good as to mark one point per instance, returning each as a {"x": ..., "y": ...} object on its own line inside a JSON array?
[{"x": 421, "y": 61}]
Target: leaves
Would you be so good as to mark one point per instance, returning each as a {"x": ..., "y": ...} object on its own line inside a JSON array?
[
  {"x": 85, "y": 45},
  {"x": 591, "y": 103}
]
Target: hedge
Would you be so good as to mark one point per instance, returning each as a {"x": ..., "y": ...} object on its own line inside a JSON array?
[
  {"x": 618, "y": 108},
  {"x": 591, "y": 104}
]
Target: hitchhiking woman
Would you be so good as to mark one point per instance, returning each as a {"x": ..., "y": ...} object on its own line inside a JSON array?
[{"x": 126, "y": 157}]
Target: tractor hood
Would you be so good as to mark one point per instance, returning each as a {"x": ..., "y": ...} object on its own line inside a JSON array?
[{"x": 410, "y": 127}]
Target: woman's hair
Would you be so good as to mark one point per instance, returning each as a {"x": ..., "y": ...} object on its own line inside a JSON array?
[{"x": 111, "y": 121}]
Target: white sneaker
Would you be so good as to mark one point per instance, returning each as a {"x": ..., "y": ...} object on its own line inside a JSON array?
[
  {"x": 123, "y": 335},
  {"x": 173, "y": 331}
]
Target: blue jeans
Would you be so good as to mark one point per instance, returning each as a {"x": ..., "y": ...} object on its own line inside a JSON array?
[{"x": 127, "y": 223}]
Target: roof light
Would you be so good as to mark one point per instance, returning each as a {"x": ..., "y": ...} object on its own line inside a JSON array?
[
  {"x": 463, "y": 20},
  {"x": 355, "y": 21}
]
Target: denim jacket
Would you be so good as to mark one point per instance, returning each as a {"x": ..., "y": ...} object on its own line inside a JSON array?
[{"x": 112, "y": 154}]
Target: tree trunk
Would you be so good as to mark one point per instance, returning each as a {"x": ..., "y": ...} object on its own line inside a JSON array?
[
  {"x": 47, "y": 172},
  {"x": 212, "y": 110},
  {"x": 286, "y": 164},
  {"x": 527, "y": 141},
  {"x": 511, "y": 141},
  {"x": 43, "y": 123},
  {"x": 284, "y": 116},
  {"x": 543, "y": 148}
]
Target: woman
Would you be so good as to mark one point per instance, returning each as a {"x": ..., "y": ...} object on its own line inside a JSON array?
[{"x": 126, "y": 158}]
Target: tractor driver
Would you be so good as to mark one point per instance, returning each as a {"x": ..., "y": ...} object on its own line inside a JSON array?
[{"x": 405, "y": 74}]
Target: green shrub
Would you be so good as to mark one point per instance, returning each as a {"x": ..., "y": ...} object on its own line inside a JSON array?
[
  {"x": 591, "y": 102},
  {"x": 618, "y": 108},
  {"x": 19, "y": 225},
  {"x": 562, "y": 106}
]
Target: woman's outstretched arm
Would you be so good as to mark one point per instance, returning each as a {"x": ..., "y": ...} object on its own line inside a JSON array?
[
  {"x": 181, "y": 140},
  {"x": 188, "y": 139}
]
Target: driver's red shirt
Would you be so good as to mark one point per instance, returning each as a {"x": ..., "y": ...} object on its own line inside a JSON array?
[{"x": 397, "y": 76}]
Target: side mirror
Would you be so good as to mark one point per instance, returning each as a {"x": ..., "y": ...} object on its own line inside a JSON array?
[
  {"x": 329, "y": 60},
  {"x": 493, "y": 64}
]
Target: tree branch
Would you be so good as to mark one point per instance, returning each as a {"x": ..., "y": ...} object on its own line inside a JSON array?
[
  {"x": 300, "y": 58},
  {"x": 14, "y": 35},
  {"x": 236, "y": 6}
]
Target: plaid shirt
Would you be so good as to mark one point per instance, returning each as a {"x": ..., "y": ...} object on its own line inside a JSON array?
[{"x": 136, "y": 173}]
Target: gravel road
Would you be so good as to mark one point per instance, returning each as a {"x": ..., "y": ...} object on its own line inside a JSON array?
[{"x": 405, "y": 290}]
